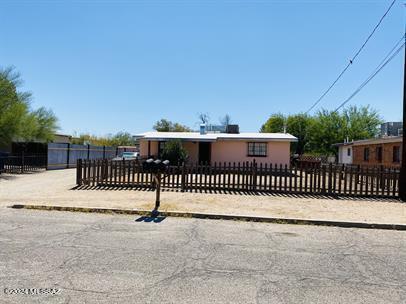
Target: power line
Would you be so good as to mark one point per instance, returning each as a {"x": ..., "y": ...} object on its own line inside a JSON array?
[
  {"x": 381, "y": 65},
  {"x": 352, "y": 59}
]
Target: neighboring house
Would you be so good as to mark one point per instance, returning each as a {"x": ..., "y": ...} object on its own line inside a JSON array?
[
  {"x": 344, "y": 153},
  {"x": 222, "y": 147},
  {"x": 385, "y": 151}
]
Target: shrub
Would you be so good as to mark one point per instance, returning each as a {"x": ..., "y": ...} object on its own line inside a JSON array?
[{"x": 174, "y": 152}]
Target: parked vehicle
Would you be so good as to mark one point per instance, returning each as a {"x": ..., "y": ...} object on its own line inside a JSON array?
[{"x": 128, "y": 156}]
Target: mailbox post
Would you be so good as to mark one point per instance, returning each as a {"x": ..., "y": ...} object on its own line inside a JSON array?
[{"x": 158, "y": 168}]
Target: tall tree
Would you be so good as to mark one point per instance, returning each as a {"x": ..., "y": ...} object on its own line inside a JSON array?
[
  {"x": 12, "y": 110},
  {"x": 298, "y": 125},
  {"x": 275, "y": 123},
  {"x": 353, "y": 123},
  {"x": 204, "y": 118},
  {"x": 327, "y": 129},
  {"x": 225, "y": 120},
  {"x": 17, "y": 120},
  {"x": 361, "y": 122},
  {"x": 317, "y": 134},
  {"x": 122, "y": 139},
  {"x": 165, "y": 125},
  {"x": 118, "y": 139}
]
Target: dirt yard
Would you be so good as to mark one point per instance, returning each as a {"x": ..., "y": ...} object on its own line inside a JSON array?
[{"x": 57, "y": 188}]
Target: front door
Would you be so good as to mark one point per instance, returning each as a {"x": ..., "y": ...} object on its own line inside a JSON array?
[{"x": 204, "y": 152}]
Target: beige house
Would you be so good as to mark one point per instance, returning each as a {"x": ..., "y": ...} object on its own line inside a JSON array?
[{"x": 222, "y": 147}]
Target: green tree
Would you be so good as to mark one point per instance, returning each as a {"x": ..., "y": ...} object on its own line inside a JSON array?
[
  {"x": 298, "y": 125},
  {"x": 275, "y": 124},
  {"x": 317, "y": 134},
  {"x": 327, "y": 129},
  {"x": 119, "y": 139},
  {"x": 12, "y": 110},
  {"x": 361, "y": 123},
  {"x": 41, "y": 124},
  {"x": 174, "y": 152},
  {"x": 17, "y": 120},
  {"x": 353, "y": 123},
  {"x": 165, "y": 125},
  {"x": 122, "y": 139}
]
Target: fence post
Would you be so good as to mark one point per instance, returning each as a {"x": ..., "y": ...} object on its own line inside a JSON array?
[
  {"x": 88, "y": 151},
  {"x": 104, "y": 152},
  {"x": 78, "y": 172},
  {"x": 254, "y": 176},
  {"x": 22, "y": 161},
  {"x": 182, "y": 186},
  {"x": 105, "y": 169},
  {"x": 67, "y": 155},
  {"x": 330, "y": 178}
]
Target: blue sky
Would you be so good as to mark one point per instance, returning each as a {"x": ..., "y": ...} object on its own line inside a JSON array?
[{"x": 109, "y": 66}]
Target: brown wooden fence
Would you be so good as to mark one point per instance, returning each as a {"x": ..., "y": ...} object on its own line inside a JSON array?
[{"x": 250, "y": 177}]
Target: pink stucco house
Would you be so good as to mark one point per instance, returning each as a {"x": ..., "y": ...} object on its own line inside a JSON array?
[{"x": 222, "y": 147}]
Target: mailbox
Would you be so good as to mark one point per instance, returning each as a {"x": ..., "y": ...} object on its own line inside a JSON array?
[{"x": 156, "y": 166}]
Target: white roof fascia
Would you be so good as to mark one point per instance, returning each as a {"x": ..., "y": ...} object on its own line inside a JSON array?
[{"x": 210, "y": 137}]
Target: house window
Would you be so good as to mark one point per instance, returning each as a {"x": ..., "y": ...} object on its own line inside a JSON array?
[
  {"x": 257, "y": 149},
  {"x": 366, "y": 154},
  {"x": 161, "y": 147},
  {"x": 378, "y": 154},
  {"x": 348, "y": 151},
  {"x": 396, "y": 154}
]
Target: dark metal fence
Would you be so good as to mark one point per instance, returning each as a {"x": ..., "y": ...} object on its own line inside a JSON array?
[
  {"x": 22, "y": 163},
  {"x": 248, "y": 176},
  {"x": 65, "y": 155}
]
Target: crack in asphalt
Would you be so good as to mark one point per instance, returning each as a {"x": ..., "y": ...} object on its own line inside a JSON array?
[{"x": 110, "y": 259}]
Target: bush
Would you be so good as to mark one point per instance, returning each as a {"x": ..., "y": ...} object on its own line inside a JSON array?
[{"x": 174, "y": 152}]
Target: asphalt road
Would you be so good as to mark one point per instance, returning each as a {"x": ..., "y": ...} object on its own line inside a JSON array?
[{"x": 92, "y": 258}]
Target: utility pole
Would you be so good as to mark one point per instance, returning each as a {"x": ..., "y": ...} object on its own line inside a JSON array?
[{"x": 402, "y": 180}]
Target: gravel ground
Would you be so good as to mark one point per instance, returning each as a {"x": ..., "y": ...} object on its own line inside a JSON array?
[
  {"x": 55, "y": 188},
  {"x": 93, "y": 258}
]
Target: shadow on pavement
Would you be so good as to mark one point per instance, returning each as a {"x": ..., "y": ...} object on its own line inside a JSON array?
[
  {"x": 151, "y": 219},
  {"x": 273, "y": 193}
]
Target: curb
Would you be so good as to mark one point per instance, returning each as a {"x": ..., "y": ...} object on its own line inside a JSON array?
[{"x": 216, "y": 217}]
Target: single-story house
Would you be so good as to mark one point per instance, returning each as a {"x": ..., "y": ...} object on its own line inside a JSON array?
[
  {"x": 344, "y": 152},
  {"x": 222, "y": 147},
  {"x": 385, "y": 151}
]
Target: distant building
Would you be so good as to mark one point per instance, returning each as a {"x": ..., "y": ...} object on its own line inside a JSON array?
[
  {"x": 391, "y": 128},
  {"x": 62, "y": 139}
]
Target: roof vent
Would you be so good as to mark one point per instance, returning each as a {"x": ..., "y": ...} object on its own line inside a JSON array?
[
  {"x": 203, "y": 130},
  {"x": 233, "y": 129}
]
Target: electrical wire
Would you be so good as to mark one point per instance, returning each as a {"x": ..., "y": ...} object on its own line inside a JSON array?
[
  {"x": 388, "y": 58},
  {"x": 352, "y": 59}
]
